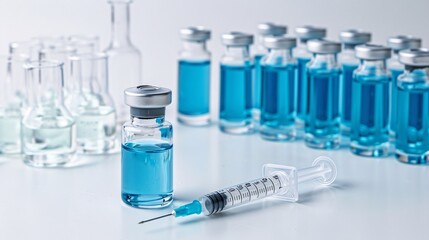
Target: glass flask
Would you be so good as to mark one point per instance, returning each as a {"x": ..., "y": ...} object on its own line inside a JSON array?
[
  {"x": 278, "y": 90},
  {"x": 369, "y": 134},
  {"x": 398, "y": 43},
  {"x": 91, "y": 105},
  {"x": 48, "y": 129},
  {"x": 147, "y": 149},
  {"x": 12, "y": 103},
  {"x": 194, "y": 77},
  {"x": 259, "y": 51},
  {"x": 84, "y": 44},
  {"x": 304, "y": 33},
  {"x": 322, "y": 123},
  {"x": 412, "y": 109},
  {"x": 348, "y": 61},
  {"x": 236, "y": 68},
  {"x": 124, "y": 57}
]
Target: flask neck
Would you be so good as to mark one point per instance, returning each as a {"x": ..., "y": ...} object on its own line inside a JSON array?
[
  {"x": 194, "y": 46},
  {"x": 238, "y": 51},
  {"x": 373, "y": 64},
  {"x": 147, "y": 122},
  {"x": 120, "y": 19}
]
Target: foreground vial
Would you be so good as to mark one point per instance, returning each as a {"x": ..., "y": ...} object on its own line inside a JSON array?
[
  {"x": 322, "y": 123},
  {"x": 278, "y": 90},
  {"x": 194, "y": 77},
  {"x": 412, "y": 138},
  {"x": 147, "y": 149},
  {"x": 304, "y": 34},
  {"x": 264, "y": 30},
  {"x": 349, "y": 63},
  {"x": 398, "y": 43},
  {"x": 236, "y": 67},
  {"x": 370, "y": 104}
]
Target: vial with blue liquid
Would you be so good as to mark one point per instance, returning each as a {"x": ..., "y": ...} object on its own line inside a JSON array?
[
  {"x": 147, "y": 149},
  {"x": 349, "y": 63},
  {"x": 322, "y": 123},
  {"x": 278, "y": 90},
  {"x": 369, "y": 134},
  {"x": 259, "y": 51},
  {"x": 398, "y": 43},
  {"x": 303, "y": 57},
  {"x": 236, "y": 73},
  {"x": 194, "y": 77},
  {"x": 412, "y": 109}
]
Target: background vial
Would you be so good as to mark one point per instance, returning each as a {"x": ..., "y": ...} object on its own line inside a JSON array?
[
  {"x": 194, "y": 77},
  {"x": 370, "y": 103},
  {"x": 147, "y": 149}
]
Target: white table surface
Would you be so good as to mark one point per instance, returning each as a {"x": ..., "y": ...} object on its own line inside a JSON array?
[{"x": 371, "y": 198}]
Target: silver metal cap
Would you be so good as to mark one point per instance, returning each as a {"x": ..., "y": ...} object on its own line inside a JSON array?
[
  {"x": 355, "y": 36},
  {"x": 402, "y": 42},
  {"x": 323, "y": 46},
  {"x": 198, "y": 33},
  {"x": 279, "y": 42},
  {"x": 418, "y": 57},
  {"x": 271, "y": 29},
  {"x": 147, "y": 96},
  {"x": 310, "y": 32},
  {"x": 237, "y": 39},
  {"x": 372, "y": 52}
]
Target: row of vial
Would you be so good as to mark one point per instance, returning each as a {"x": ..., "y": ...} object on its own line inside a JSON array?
[{"x": 362, "y": 91}]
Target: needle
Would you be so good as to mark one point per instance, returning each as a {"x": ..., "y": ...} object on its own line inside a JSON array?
[{"x": 163, "y": 216}]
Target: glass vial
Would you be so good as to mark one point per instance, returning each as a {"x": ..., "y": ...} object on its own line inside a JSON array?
[
  {"x": 322, "y": 123},
  {"x": 12, "y": 103},
  {"x": 259, "y": 51},
  {"x": 398, "y": 43},
  {"x": 304, "y": 33},
  {"x": 124, "y": 57},
  {"x": 369, "y": 134},
  {"x": 412, "y": 109},
  {"x": 147, "y": 149},
  {"x": 278, "y": 90},
  {"x": 349, "y": 63},
  {"x": 194, "y": 77},
  {"x": 91, "y": 104},
  {"x": 48, "y": 129},
  {"x": 236, "y": 70}
]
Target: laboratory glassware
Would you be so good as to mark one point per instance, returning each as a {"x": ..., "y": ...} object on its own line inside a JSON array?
[
  {"x": 91, "y": 104},
  {"x": 322, "y": 123},
  {"x": 25, "y": 49},
  {"x": 349, "y": 63},
  {"x": 236, "y": 70},
  {"x": 412, "y": 138},
  {"x": 369, "y": 135},
  {"x": 278, "y": 90},
  {"x": 84, "y": 44},
  {"x": 48, "y": 128},
  {"x": 147, "y": 149},
  {"x": 278, "y": 181},
  {"x": 194, "y": 77},
  {"x": 124, "y": 57}
]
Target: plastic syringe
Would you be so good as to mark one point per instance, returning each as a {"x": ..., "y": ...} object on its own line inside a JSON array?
[{"x": 278, "y": 181}]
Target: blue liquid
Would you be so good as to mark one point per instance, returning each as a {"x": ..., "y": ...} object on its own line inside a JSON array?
[
  {"x": 302, "y": 83},
  {"x": 346, "y": 94},
  {"x": 257, "y": 82},
  {"x": 147, "y": 173},
  {"x": 278, "y": 102},
  {"x": 194, "y": 87},
  {"x": 393, "y": 105},
  {"x": 236, "y": 96},
  {"x": 370, "y": 116}
]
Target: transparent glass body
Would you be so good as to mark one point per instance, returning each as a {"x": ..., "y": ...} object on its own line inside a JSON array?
[
  {"x": 124, "y": 57},
  {"x": 147, "y": 162},
  {"x": 91, "y": 105},
  {"x": 84, "y": 44},
  {"x": 369, "y": 134},
  {"x": 396, "y": 68},
  {"x": 25, "y": 49},
  {"x": 259, "y": 51},
  {"x": 194, "y": 84},
  {"x": 278, "y": 96},
  {"x": 12, "y": 103},
  {"x": 236, "y": 72},
  {"x": 48, "y": 129},
  {"x": 412, "y": 112},
  {"x": 322, "y": 123}
]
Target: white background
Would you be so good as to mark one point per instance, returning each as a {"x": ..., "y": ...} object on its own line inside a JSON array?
[{"x": 372, "y": 198}]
